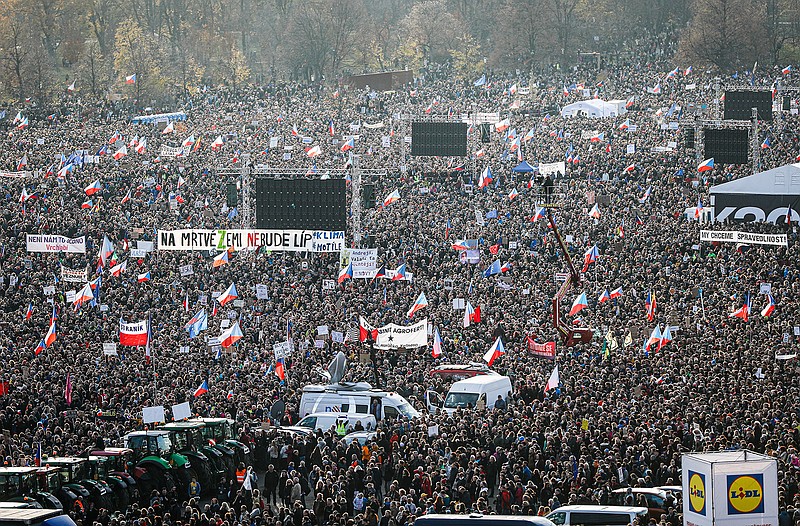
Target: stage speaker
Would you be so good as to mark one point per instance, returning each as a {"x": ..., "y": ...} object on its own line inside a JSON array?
[
  {"x": 232, "y": 195},
  {"x": 787, "y": 103},
  {"x": 367, "y": 196}
]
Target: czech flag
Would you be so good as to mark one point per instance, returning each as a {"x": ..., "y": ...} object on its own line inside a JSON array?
[
  {"x": 203, "y": 389},
  {"x": 169, "y": 128},
  {"x": 84, "y": 295},
  {"x": 460, "y": 244},
  {"x": 650, "y": 306},
  {"x": 218, "y": 142},
  {"x": 494, "y": 352},
  {"x": 505, "y": 267},
  {"x": 471, "y": 315},
  {"x": 143, "y": 277},
  {"x": 391, "y": 198},
  {"x": 93, "y": 188},
  {"x": 604, "y": 296},
  {"x": 655, "y": 337},
  {"x": 130, "y": 79},
  {"x": 400, "y": 273},
  {"x": 142, "y": 146},
  {"x": 513, "y": 194},
  {"x": 365, "y": 330},
  {"x": 229, "y": 295},
  {"x": 687, "y": 71},
  {"x": 485, "y": 178},
  {"x": 29, "y": 312},
  {"x": 579, "y": 304},
  {"x": 421, "y": 303},
  {"x": 742, "y": 312},
  {"x": 330, "y": 128},
  {"x": 221, "y": 259},
  {"x": 646, "y": 195},
  {"x": 553, "y": 381},
  {"x": 345, "y": 274},
  {"x": 766, "y": 144},
  {"x": 231, "y": 336},
  {"x": 787, "y": 70},
  {"x": 706, "y": 165},
  {"x": 630, "y": 168},
  {"x": 315, "y": 151},
  {"x": 666, "y": 337},
  {"x": 616, "y": 293},
  {"x": 589, "y": 257},
  {"x": 348, "y": 145},
  {"x": 540, "y": 213},
  {"x": 699, "y": 208},
  {"x": 770, "y": 308},
  {"x": 437, "y": 344},
  {"x": 119, "y": 154},
  {"x": 280, "y": 369},
  {"x": 40, "y": 347},
  {"x": 595, "y": 212},
  {"x": 50, "y": 337}
]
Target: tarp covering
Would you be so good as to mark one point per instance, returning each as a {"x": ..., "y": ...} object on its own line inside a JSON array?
[
  {"x": 765, "y": 196},
  {"x": 159, "y": 117}
]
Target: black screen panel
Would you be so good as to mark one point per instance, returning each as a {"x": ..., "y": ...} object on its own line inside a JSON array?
[
  {"x": 302, "y": 204},
  {"x": 445, "y": 139},
  {"x": 739, "y": 105},
  {"x": 727, "y": 146}
]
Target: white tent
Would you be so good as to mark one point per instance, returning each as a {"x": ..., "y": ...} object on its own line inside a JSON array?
[
  {"x": 594, "y": 108},
  {"x": 765, "y": 196}
]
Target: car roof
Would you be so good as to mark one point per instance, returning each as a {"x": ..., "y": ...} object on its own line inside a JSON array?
[
  {"x": 595, "y": 507},
  {"x": 152, "y": 433},
  {"x": 646, "y": 491},
  {"x": 17, "y": 470}
]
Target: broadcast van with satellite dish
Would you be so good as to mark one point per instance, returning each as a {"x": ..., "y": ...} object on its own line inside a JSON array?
[{"x": 352, "y": 397}]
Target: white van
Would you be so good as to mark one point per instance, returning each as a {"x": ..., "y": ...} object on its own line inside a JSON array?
[
  {"x": 471, "y": 392},
  {"x": 326, "y": 421},
  {"x": 585, "y": 515},
  {"x": 358, "y": 398}
]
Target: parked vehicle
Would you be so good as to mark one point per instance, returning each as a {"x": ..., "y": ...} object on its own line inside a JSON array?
[
  {"x": 460, "y": 372},
  {"x": 187, "y": 438},
  {"x": 221, "y": 431},
  {"x": 358, "y": 398},
  {"x": 116, "y": 466},
  {"x": 655, "y": 498},
  {"x": 75, "y": 473},
  {"x": 326, "y": 421},
  {"x": 34, "y": 517},
  {"x": 478, "y": 519},
  {"x": 472, "y": 392},
  {"x": 22, "y": 485},
  {"x": 163, "y": 466},
  {"x": 50, "y": 481},
  {"x": 581, "y": 515}
]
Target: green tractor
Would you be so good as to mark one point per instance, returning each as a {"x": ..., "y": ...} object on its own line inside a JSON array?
[
  {"x": 76, "y": 474},
  {"x": 22, "y": 484},
  {"x": 158, "y": 464},
  {"x": 220, "y": 432},
  {"x": 206, "y": 461},
  {"x": 106, "y": 466}
]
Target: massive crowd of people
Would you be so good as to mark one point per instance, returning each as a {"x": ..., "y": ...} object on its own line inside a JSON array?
[{"x": 621, "y": 417}]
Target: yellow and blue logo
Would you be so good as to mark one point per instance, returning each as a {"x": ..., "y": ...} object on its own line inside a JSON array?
[
  {"x": 697, "y": 492},
  {"x": 745, "y": 494}
]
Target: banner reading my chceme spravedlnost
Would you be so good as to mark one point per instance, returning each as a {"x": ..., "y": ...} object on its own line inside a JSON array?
[{"x": 252, "y": 239}]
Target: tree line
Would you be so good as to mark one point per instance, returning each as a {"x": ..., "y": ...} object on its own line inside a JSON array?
[{"x": 175, "y": 47}]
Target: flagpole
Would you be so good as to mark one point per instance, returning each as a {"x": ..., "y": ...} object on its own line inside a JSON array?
[
  {"x": 703, "y": 305},
  {"x": 152, "y": 357}
]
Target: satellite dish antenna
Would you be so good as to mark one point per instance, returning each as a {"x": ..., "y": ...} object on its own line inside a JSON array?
[
  {"x": 337, "y": 367},
  {"x": 278, "y": 409}
]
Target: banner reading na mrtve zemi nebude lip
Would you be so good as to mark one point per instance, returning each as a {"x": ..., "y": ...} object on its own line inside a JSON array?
[{"x": 251, "y": 239}]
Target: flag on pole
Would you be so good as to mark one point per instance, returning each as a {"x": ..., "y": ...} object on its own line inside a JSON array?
[
  {"x": 231, "y": 336},
  {"x": 437, "y": 343},
  {"x": 420, "y": 304},
  {"x": 130, "y": 79},
  {"x": 553, "y": 381},
  {"x": 494, "y": 352},
  {"x": 68, "y": 390},
  {"x": 228, "y": 295},
  {"x": 203, "y": 389}
]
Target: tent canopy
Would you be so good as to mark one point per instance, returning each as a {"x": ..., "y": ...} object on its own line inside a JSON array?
[
  {"x": 594, "y": 108},
  {"x": 523, "y": 167},
  {"x": 783, "y": 180}
]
